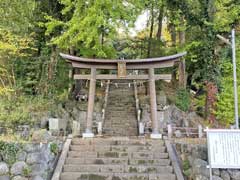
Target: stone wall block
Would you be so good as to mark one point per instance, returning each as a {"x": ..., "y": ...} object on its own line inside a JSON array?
[
  {"x": 4, "y": 169},
  {"x": 200, "y": 167},
  {"x": 21, "y": 156},
  {"x": 18, "y": 167},
  {"x": 234, "y": 174},
  {"x": 40, "y": 169},
  {"x": 37, "y": 178},
  {"x": 34, "y": 158},
  {"x": 29, "y": 148},
  {"x": 4, "y": 177},
  {"x": 19, "y": 178},
  {"x": 225, "y": 175}
]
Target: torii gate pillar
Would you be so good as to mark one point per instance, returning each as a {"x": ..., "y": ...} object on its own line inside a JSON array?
[
  {"x": 152, "y": 89},
  {"x": 88, "y": 132}
]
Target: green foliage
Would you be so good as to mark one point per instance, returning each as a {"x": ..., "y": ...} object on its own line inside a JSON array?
[
  {"x": 183, "y": 99},
  {"x": 92, "y": 25},
  {"x": 9, "y": 151},
  {"x": 186, "y": 168},
  {"x": 227, "y": 14},
  {"x": 54, "y": 148},
  {"x": 225, "y": 103},
  {"x": 199, "y": 103},
  {"x": 27, "y": 171},
  {"x": 22, "y": 110}
]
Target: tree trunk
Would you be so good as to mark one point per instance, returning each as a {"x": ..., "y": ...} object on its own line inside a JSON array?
[
  {"x": 77, "y": 86},
  {"x": 210, "y": 103},
  {"x": 151, "y": 32},
  {"x": 52, "y": 63},
  {"x": 181, "y": 67},
  {"x": 173, "y": 34},
  {"x": 160, "y": 19}
]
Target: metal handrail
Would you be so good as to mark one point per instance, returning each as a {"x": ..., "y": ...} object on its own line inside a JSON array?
[{"x": 105, "y": 102}]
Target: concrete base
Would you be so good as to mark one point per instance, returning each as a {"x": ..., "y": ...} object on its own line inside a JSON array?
[
  {"x": 87, "y": 135},
  {"x": 156, "y": 136}
]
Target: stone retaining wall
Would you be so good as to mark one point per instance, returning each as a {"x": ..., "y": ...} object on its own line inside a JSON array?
[
  {"x": 194, "y": 162},
  {"x": 34, "y": 161}
]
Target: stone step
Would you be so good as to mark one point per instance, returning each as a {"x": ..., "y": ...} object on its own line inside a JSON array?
[
  {"x": 124, "y": 148},
  {"x": 122, "y": 160},
  {"x": 123, "y": 108},
  {"x": 120, "y": 154},
  {"x": 118, "y": 141},
  {"x": 117, "y": 126},
  {"x": 123, "y": 118},
  {"x": 117, "y": 132},
  {"x": 160, "y": 152},
  {"x": 113, "y": 168},
  {"x": 133, "y": 158},
  {"x": 116, "y": 176}
]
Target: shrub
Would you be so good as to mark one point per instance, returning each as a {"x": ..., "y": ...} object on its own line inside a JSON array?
[
  {"x": 9, "y": 151},
  {"x": 183, "y": 100},
  {"x": 54, "y": 148}
]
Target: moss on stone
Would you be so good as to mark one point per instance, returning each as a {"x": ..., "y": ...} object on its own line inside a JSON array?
[
  {"x": 132, "y": 169},
  {"x": 98, "y": 161},
  {"x": 111, "y": 154},
  {"x": 141, "y": 162}
]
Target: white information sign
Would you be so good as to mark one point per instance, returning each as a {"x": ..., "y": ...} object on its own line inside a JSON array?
[{"x": 223, "y": 148}]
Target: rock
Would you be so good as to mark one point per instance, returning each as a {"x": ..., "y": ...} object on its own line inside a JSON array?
[
  {"x": 199, "y": 152},
  {"x": 47, "y": 155},
  {"x": 4, "y": 169},
  {"x": 216, "y": 172},
  {"x": 18, "y": 167},
  {"x": 200, "y": 168},
  {"x": 42, "y": 136},
  {"x": 178, "y": 133},
  {"x": 44, "y": 122},
  {"x": 201, "y": 177},
  {"x": 225, "y": 175},
  {"x": 216, "y": 178},
  {"x": 32, "y": 147},
  {"x": 19, "y": 178},
  {"x": 177, "y": 115},
  {"x": 21, "y": 156},
  {"x": 39, "y": 169},
  {"x": 4, "y": 177},
  {"x": 234, "y": 174},
  {"x": 34, "y": 158},
  {"x": 193, "y": 119},
  {"x": 37, "y": 178},
  {"x": 161, "y": 98}
]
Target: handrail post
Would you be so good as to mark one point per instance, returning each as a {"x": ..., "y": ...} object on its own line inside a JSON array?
[
  {"x": 169, "y": 127},
  {"x": 200, "y": 131}
]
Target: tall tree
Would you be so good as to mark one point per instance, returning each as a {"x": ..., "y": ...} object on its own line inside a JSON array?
[{"x": 91, "y": 25}]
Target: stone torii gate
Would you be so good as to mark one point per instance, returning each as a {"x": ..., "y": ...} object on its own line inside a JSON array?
[{"x": 122, "y": 66}]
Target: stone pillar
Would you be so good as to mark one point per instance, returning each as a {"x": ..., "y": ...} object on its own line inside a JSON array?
[
  {"x": 88, "y": 133},
  {"x": 153, "y": 103}
]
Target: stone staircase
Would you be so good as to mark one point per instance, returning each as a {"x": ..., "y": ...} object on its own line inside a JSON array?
[
  {"x": 121, "y": 111},
  {"x": 117, "y": 158}
]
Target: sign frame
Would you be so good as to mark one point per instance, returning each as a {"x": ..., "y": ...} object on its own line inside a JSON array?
[{"x": 219, "y": 131}]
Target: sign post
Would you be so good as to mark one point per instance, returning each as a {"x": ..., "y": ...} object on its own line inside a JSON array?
[
  {"x": 223, "y": 149},
  {"x": 233, "y": 46}
]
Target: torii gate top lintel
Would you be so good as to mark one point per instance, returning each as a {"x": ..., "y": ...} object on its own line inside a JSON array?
[{"x": 130, "y": 61}]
